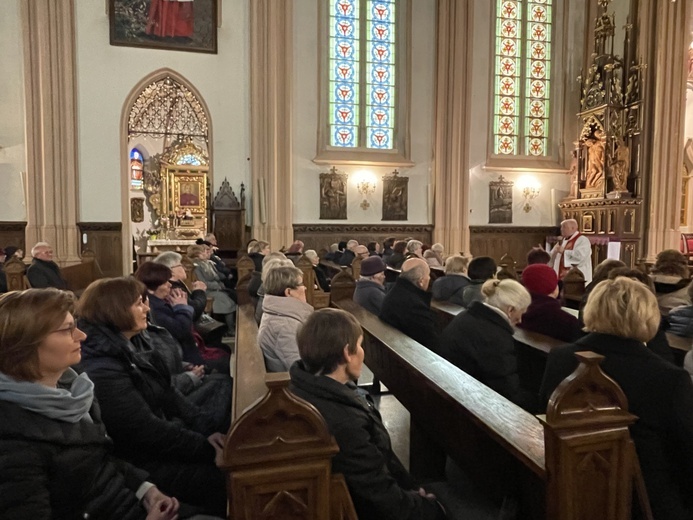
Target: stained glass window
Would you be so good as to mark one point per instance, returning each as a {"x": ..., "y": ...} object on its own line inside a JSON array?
[
  {"x": 362, "y": 73},
  {"x": 522, "y": 77},
  {"x": 136, "y": 169}
]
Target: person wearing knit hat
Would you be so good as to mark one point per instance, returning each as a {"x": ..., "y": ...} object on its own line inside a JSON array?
[
  {"x": 545, "y": 315},
  {"x": 370, "y": 287}
]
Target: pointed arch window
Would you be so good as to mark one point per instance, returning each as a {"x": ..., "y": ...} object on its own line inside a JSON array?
[
  {"x": 365, "y": 84},
  {"x": 522, "y": 78}
]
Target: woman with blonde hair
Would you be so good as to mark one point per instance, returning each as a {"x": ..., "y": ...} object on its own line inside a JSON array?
[
  {"x": 480, "y": 340},
  {"x": 56, "y": 457},
  {"x": 621, "y": 315},
  {"x": 434, "y": 255},
  {"x": 451, "y": 286}
]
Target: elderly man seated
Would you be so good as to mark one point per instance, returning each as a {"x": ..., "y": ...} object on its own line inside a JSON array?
[
  {"x": 43, "y": 271},
  {"x": 350, "y": 253},
  {"x": 407, "y": 306},
  {"x": 370, "y": 287}
]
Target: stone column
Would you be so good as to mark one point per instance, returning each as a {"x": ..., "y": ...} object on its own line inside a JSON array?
[
  {"x": 666, "y": 91},
  {"x": 271, "y": 49},
  {"x": 452, "y": 125},
  {"x": 48, "y": 28}
]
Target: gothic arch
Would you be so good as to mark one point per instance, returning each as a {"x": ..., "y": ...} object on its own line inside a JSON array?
[{"x": 197, "y": 121}]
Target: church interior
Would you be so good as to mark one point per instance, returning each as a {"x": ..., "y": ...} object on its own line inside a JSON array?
[{"x": 481, "y": 125}]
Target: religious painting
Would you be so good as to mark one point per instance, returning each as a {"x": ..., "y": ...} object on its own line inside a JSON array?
[
  {"x": 395, "y": 197},
  {"x": 137, "y": 209},
  {"x": 500, "y": 207},
  {"x": 181, "y": 25},
  {"x": 333, "y": 195},
  {"x": 188, "y": 192}
]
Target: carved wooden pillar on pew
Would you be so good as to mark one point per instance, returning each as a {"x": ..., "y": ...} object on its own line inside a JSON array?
[
  {"x": 48, "y": 28},
  {"x": 589, "y": 453},
  {"x": 260, "y": 485}
]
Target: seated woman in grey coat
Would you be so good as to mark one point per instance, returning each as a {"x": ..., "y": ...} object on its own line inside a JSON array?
[
  {"x": 206, "y": 272},
  {"x": 284, "y": 310}
]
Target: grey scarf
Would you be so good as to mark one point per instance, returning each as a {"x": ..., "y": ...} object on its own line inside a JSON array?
[{"x": 69, "y": 405}]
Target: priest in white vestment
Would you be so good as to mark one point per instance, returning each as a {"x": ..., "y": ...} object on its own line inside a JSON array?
[{"x": 575, "y": 248}]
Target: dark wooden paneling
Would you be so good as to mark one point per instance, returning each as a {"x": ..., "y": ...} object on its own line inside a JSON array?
[
  {"x": 496, "y": 241},
  {"x": 13, "y": 234},
  {"x": 321, "y": 236},
  {"x": 230, "y": 229},
  {"x": 104, "y": 238}
]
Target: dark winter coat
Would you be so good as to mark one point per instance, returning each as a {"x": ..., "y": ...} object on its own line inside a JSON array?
[
  {"x": 257, "y": 259},
  {"x": 545, "y": 316},
  {"x": 178, "y": 320},
  {"x": 450, "y": 288},
  {"x": 151, "y": 424},
  {"x": 408, "y": 308},
  {"x": 197, "y": 299},
  {"x": 395, "y": 260},
  {"x": 321, "y": 277},
  {"x": 471, "y": 293},
  {"x": 42, "y": 274},
  {"x": 379, "y": 485},
  {"x": 370, "y": 295},
  {"x": 61, "y": 470},
  {"x": 661, "y": 396},
  {"x": 480, "y": 342},
  {"x": 346, "y": 258},
  {"x": 681, "y": 321}
]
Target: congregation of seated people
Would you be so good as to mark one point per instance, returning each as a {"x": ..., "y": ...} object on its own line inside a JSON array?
[{"x": 125, "y": 374}]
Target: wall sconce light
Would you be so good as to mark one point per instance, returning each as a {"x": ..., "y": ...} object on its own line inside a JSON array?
[
  {"x": 365, "y": 185},
  {"x": 530, "y": 190}
]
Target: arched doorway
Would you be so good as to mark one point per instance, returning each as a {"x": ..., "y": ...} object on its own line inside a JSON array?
[{"x": 165, "y": 123}]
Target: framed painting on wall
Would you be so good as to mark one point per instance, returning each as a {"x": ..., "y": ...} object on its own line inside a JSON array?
[{"x": 180, "y": 25}]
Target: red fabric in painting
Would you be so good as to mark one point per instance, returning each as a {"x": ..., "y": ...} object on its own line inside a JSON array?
[{"x": 170, "y": 18}]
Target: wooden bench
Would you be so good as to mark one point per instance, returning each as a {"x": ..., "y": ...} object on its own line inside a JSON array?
[
  {"x": 315, "y": 296},
  {"x": 544, "y": 462},
  {"x": 278, "y": 453}
]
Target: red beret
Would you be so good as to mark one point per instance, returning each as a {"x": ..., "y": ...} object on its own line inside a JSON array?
[{"x": 539, "y": 279}]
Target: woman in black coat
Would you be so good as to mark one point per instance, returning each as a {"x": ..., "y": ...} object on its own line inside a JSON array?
[
  {"x": 55, "y": 455},
  {"x": 621, "y": 315},
  {"x": 151, "y": 424},
  {"x": 480, "y": 340}
]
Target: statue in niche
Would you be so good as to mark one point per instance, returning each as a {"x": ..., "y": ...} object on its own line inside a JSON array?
[
  {"x": 595, "y": 160},
  {"x": 573, "y": 173},
  {"x": 620, "y": 167},
  {"x": 333, "y": 195},
  {"x": 395, "y": 197}
]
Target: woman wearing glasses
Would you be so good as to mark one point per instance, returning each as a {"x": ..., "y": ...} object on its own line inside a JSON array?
[
  {"x": 55, "y": 455},
  {"x": 284, "y": 309},
  {"x": 152, "y": 425}
]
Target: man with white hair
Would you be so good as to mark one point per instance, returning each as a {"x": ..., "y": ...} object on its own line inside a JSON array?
[
  {"x": 575, "y": 248},
  {"x": 43, "y": 271},
  {"x": 407, "y": 306},
  {"x": 349, "y": 254}
]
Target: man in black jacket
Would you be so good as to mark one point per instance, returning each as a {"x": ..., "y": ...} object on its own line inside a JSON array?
[
  {"x": 331, "y": 359},
  {"x": 43, "y": 271},
  {"x": 407, "y": 306}
]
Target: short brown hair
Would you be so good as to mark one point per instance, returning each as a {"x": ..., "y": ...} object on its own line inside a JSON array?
[
  {"x": 622, "y": 307},
  {"x": 276, "y": 280},
  {"x": 26, "y": 319},
  {"x": 322, "y": 338},
  {"x": 153, "y": 275},
  {"x": 671, "y": 262},
  {"x": 258, "y": 246},
  {"x": 108, "y": 301}
]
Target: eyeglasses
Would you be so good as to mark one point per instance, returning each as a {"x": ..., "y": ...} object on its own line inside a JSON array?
[
  {"x": 177, "y": 265},
  {"x": 71, "y": 328}
]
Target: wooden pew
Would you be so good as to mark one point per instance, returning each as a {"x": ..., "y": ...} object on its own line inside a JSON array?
[
  {"x": 332, "y": 268},
  {"x": 502, "y": 447},
  {"x": 315, "y": 296},
  {"x": 245, "y": 265},
  {"x": 573, "y": 287},
  {"x": 15, "y": 272},
  {"x": 279, "y": 450}
]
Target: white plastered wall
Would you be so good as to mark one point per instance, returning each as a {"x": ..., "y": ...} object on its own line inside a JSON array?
[
  {"x": 105, "y": 76},
  {"x": 12, "y": 138}
]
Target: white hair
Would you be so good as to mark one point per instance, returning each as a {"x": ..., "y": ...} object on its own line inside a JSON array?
[
  {"x": 39, "y": 245},
  {"x": 413, "y": 245},
  {"x": 275, "y": 262},
  {"x": 503, "y": 294},
  {"x": 169, "y": 259},
  {"x": 351, "y": 244},
  {"x": 310, "y": 253}
]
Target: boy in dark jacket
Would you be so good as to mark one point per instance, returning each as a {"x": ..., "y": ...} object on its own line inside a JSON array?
[{"x": 331, "y": 359}]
